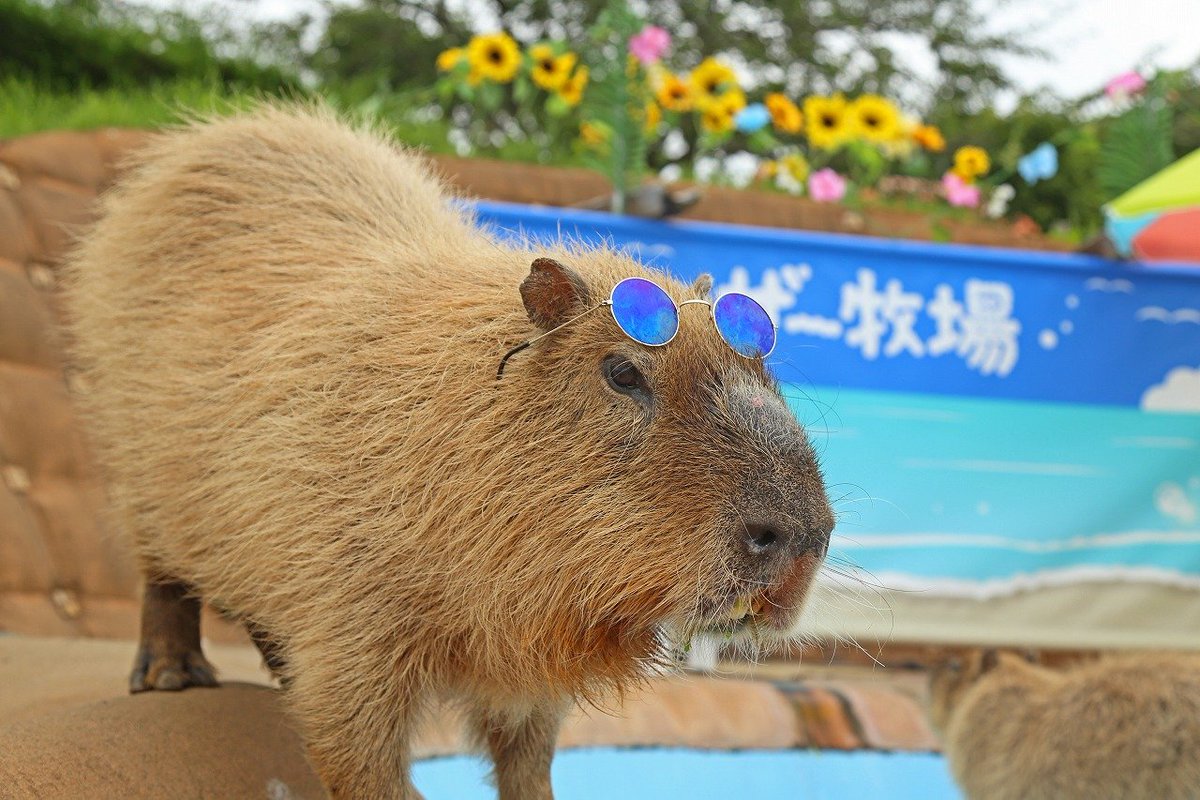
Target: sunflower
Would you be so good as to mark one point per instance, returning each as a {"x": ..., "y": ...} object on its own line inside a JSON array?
[
  {"x": 929, "y": 137},
  {"x": 494, "y": 56},
  {"x": 715, "y": 119},
  {"x": 796, "y": 166},
  {"x": 572, "y": 89},
  {"x": 970, "y": 162},
  {"x": 449, "y": 59},
  {"x": 785, "y": 115},
  {"x": 673, "y": 94},
  {"x": 720, "y": 113},
  {"x": 709, "y": 81},
  {"x": 653, "y": 116},
  {"x": 875, "y": 118},
  {"x": 550, "y": 71},
  {"x": 593, "y": 135},
  {"x": 827, "y": 121}
]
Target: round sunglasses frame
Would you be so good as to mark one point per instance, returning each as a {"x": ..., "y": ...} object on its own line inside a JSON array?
[{"x": 712, "y": 308}]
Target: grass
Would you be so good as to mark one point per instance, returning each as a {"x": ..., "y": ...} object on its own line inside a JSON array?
[{"x": 26, "y": 107}]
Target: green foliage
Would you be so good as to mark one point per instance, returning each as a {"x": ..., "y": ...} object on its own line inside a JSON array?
[
  {"x": 27, "y": 107},
  {"x": 802, "y": 46},
  {"x": 104, "y": 43},
  {"x": 382, "y": 42},
  {"x": 616, "y": 98},
  {"x": 1136, "y": 144}
]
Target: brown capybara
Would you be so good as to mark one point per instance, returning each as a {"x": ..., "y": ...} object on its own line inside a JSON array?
[
  {"x": 1123, "y": 727},
  {"x": 291, "y": 337}
]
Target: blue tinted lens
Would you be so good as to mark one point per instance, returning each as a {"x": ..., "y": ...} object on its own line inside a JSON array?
[
  {"x": 744, "y": 325},
  {"x": 644, "y": 311}
]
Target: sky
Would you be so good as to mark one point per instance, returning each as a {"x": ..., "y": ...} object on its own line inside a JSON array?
[{"x": 1089, "y": 41}]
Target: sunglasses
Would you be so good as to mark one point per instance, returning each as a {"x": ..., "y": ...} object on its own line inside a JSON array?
[{"x": 646, "y": 313}]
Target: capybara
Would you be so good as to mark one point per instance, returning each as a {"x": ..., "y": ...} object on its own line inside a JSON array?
[
  {"x": 291, "y": 335},
  {"x": 1121, "y": 727}
]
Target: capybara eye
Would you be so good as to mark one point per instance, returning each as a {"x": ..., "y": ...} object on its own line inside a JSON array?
[{"x": 625, "y": 378}]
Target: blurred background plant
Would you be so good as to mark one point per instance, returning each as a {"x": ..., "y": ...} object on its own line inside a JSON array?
[{"x": 84, "y": 63}]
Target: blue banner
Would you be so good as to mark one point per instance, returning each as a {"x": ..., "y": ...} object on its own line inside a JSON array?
[{"x": 999, "y": 419}]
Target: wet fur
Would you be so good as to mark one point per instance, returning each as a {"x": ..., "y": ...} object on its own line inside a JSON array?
[
  {"x": 1123, "y": 727},
  {"x": 291, "y": 342}
]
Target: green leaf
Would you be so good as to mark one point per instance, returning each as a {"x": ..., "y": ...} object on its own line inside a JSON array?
[
  {"x": 1136, "y": 145},
  {"x": 490, "y": 95},
  {"x": 522, "y": 90},
  {"x": 762, "y": 141},
  {"x": 556, "y": 106}
]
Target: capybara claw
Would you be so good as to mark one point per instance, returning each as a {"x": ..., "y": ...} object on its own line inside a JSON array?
[{"x": 171, "y": 672}]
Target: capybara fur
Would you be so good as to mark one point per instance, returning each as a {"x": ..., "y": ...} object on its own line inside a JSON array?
[
  {"x": 1121, "y": 727},
  {"x": 291, "y": 336}
]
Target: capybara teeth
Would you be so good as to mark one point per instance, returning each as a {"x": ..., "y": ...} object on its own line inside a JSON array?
[{"x": 740, "y": 608}]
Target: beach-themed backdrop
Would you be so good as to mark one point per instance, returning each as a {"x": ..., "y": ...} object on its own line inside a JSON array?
[{"x": 994, "y": 424}]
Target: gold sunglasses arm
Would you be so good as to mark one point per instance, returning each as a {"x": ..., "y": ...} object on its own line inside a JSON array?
[{"x": 523, "y": 345}]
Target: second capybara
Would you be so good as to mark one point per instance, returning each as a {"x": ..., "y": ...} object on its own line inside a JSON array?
[
  {"x": 290, "y": 333},
  {"x": 1123, "y": 727}
]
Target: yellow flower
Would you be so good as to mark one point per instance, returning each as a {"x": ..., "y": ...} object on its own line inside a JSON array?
[
  {"x": 785, "y": 115},
  {"x": 709, "y": 80},
  {"x": 769, "y": 169},
  {"x": 732, "y": 101},
  {"x": 795, "y": 165},
  {"x": 929, "y": 137},
  {"x": 572, "y": 89},
  {"x": 593, "y": 135},
  {"x": 673, "y": 94},
  {"x": 449, "y": 59},
  {"x": 653, "y": 116},
  {"x": 875, "y": 118},
  {"x": 550, "y": 71},
  {"x": 970, "y": 162},
  {"x": 494, "y": 56},
  {"x": 827, "y": 121},
  {"x": 718, "y": 115}
]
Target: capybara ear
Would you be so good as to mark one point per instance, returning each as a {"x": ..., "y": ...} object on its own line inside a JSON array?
[
  {"x": 702, "y": 285},
  {"x": 989, "y": 660},
  {"x": 553, "y": 293}
]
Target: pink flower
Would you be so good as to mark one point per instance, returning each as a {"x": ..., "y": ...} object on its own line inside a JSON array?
[
  {"x": 649, "y": 45},
  {"x": 826, "y": 186},
  {"x": 1124, "y": 85},
  {"x": 959, "y": 192}
]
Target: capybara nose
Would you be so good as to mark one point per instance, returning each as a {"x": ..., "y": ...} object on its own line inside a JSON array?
[
  {"x": 768, "y": 539},
  {"x": 762, "y": 540}
]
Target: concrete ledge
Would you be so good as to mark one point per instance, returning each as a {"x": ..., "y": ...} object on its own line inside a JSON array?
[{"x": 68, "y": 730}]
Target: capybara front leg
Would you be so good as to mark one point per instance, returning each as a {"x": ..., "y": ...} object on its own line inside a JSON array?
[
  {"x": 357, "y": 722},
  {"x": 522, "y": 748},
  {"x": 169, "y": 656}
]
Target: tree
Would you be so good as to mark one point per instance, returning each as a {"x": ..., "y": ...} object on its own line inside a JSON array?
[{"x": 803, "y": 46}]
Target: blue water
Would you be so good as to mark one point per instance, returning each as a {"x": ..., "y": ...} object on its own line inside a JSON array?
[
  {"x": 666, "y": 774},
  {"x": 969, "y": 488}
]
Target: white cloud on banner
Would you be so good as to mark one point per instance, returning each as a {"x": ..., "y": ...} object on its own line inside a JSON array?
[{"x": 1180, "y": 392}]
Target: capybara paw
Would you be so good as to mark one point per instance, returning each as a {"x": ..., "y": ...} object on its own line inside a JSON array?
[{"x": 170, "y": 672}]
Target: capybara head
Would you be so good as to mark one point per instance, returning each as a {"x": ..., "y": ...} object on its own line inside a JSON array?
[
  {"x": 953, "y": 676},
  {"x": 697, "y": 498}
]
